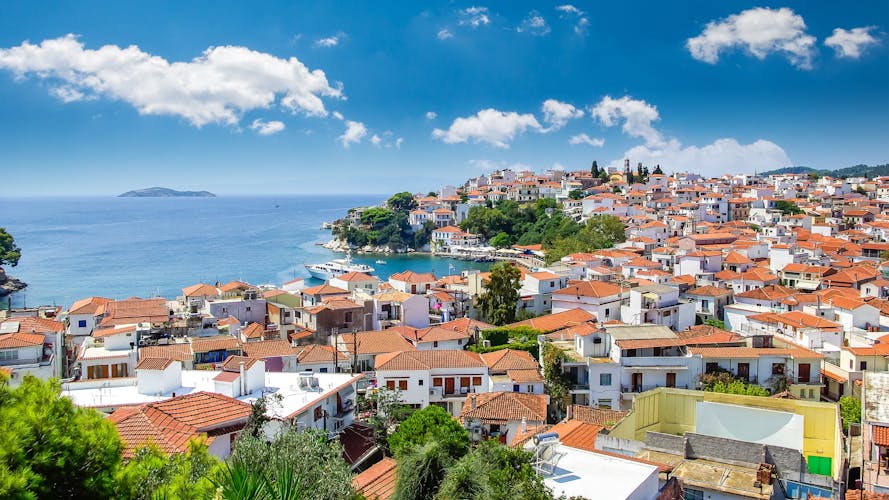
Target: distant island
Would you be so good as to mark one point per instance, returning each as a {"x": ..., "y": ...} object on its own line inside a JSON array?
[
  {"x": 868, "y": 171},
  {"x": 159, "y": 192}
]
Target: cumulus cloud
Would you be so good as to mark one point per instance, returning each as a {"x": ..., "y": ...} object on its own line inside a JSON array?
[
  {"x": 355, "y": 131},
  {"x": 558, "y": 113},
  {"x": 266, "y": 128},
  {"x": 636, "y": 114},
  {"x": 490, "y": 126},
  {"x": 569, "y": 11},
  {"x": 474, "y": 16},
  {"x": 399, "y": 142},
  {"x": 444, "y": 34},
  {"x": 430, "y": 115},
  {"x": 219, "y": 86},
  {"x": 67, "y": 93},
  {"x": 760, "y": 32},
  {"x": 534, "y": 24},
  {"x": 375, "y": 140},
  {"x": 851, "y": 43},
  {"x": 337, "y": 115},
  {"x": 724, "y": 155},
  {"x": 585, "y": 139},
  {"x": 330, "y": 41}
]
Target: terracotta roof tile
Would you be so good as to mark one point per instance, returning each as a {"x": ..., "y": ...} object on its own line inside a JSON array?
[
  {"x": 505, "y": 406},
  {"x": 577, "y": 434},
  {"x": 599, "y": 416},
  {"x": 378, "y": 481},
  {"x": 509, "y": 359},
  {"x": 14, "y": 340},
  {"x": 314, "y": 353},
  {"x": 426, "y": 360},
  {"x": 154, "y": 363},
  {"x": 556, "y": 321},
  {"x": 376, "y": 342},
  {"x": 89, "y": 305},
  {"x": 178, "y": 352},
  {"x": 218, "y": 343},
  {"x": 269, "y": 349}
]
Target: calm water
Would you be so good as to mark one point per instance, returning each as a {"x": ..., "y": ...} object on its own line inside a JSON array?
[{"x": 122, "y": 247}]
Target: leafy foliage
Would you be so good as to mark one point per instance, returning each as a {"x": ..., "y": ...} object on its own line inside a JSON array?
[
  {"x": 402, "y": 202},
  {"x": 724, "y": 382},
  {"x": 850, "y": 410},
  {"x": 496, "y": 472},
  {"x": 420, "y": 471},
  {"x": 9, "y": 252},
  {"x": 787, "y": 208},
  {"x": 50, "y": 448},
  {"x": 386, "y": 411},
  {"x": 501, "y": 240},
  {"x": 295, "y": 465},
  {"x": 600, "y": 231},
  {"x": 718, "y": 323},
  {"x": 430, "y": 424},
  {"x": 531, "y": 346},
  {"x": 152, "y": 474},
  {"x": 556, "y": 382},
  {"x": 575, "y": 194},
  {"x": 498, "y": 303}
]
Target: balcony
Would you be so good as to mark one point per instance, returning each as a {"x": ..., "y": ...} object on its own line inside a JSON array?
[{"x": 578, "y": 387}]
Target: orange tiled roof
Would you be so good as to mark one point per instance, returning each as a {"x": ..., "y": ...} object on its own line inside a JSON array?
[
  {"x": 376, "y": 342},
  {"x": 556, "y": 321},
  {"x": 754, "y": 352},
  {"x": 599, "y": 416},
  {"x": 577, "y": 434},
  {"x": 426, "y": 360},
  {"x": 314, "y": 353},
  {"x": 171, "y": 423},
  {"x": 378, "y": 481},
  {"x": 494, "y": 407},
  {"x": 218, "y": 343},
  {"x": 178, "y": 352},
  {"x": 15, "y": 340},
  {"x": 89, "y": 305},
  {"x": 269, "y": 349},
  {"x": 509, "y": 359},
  {"x": 524, "y": 376},
  {"x": 154, "y": 363},
  {"x": 31, "y": 324},
  {"x": 412, "y": 277}
]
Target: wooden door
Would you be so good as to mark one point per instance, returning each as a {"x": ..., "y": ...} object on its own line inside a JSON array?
[
  {"x": 671, "y": 379},
  {"x": 744, "y": 371},
  {"x": 803, "y": 372},
  {"x": 637, "y": 382},
  {"x": 449, "y": 385}
]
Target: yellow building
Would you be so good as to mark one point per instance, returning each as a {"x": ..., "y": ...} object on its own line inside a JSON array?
[{"x": 674, "y": 411}]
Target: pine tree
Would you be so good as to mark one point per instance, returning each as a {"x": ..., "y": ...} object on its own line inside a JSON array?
[
  {"x": 657, "y": 170},
  {"x": 595, "y": 169}
]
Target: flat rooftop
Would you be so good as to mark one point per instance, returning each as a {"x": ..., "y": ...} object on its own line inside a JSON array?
[
  {"x": 580, "y": 473},
  {"x": 695, "y": 473},
  {"x": 124, "y": 392}
]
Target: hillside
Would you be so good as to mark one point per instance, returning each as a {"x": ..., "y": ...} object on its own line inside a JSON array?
[
  {"x": 853, "y": 171},
  {"x": 160, "y": 192}
]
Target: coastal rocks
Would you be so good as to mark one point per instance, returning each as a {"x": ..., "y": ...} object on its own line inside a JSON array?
[
  {"x": 10, "y": 285},
  {"x": 338, "y": 245}
]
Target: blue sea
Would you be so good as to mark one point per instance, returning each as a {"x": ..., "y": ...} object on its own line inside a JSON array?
[{"x": 124, "y": 247}]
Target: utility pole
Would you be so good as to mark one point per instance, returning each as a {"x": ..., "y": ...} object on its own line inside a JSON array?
[
  {"x": 334, "y": 332},
  {"x": 354, "y": 349}
]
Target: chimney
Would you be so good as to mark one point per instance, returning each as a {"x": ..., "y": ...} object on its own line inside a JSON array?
[
  {"x": 473, "y": 400},
  {"x": 242, "y": 379}
]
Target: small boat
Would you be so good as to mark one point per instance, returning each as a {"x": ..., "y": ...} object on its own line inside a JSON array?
[{"x": 381, "y": 262}]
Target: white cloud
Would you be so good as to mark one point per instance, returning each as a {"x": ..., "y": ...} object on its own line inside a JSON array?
[
  {"x": 850, "y": 43},
  {"x": 494, "y": 127},
  {"x": 474, "y": 17},
  {"x": 585, "y": 139},
  {"x": 723, "y": 156},
  {"x": 444, "y": 34},
  {"x": 534, "y": 24},
  {"x": 337, "y": 115},
  {"x": 67, "y": 93},
  {"x": 267, "y": 128},
  {"x": 569, "y": 11},
  {"x": 330, "y": 41},
  {"x": 430, "y": 115},
  {"x": 760, "y": 31},
  {"x": 355, "y": 131},
  {"x": 217, "y": 87},
  {"x": 637, "y": 116},
  {"x": 558, "y": 113},
  {"x": 399, "y": 142},
  {"x": 375, "y": 140},
  {"x": 487, "y": 164}
]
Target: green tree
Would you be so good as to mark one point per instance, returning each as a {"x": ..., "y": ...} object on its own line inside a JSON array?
[
  {"x": 486, "y": 222},
  {"x": 401, "y": 202},
  {"x": 575, "y": 194},
  {"x": 420, "y": 471},
  {"x": 432, "y": 423},
  {"x": 432, "y": 194},
  {"x": 860, "y": 190},
  {"x": 9, "y": 252},
  {"x": 498, "y": 302},
  {"x": 600, "y": 231},
  {"x": 500, "y": 240},
  {"x": 716, "y": 323},
  {"x": 850, "y": 410},
  {"x": 657, "y": 170},
  {"x": 787, "y": 208},
  {"x": 604, "y": 175},
  {"x": 557, "y": 384},
  {"x": 386, "y": 412},
  {"x": 152, "y": 474},
  {"x": 377, "y": 217},
  {"x": 594, "y": 170},
  {"x": 423, "y": 236},
  {"x": 496, "y": 472},
  {"x": 295, "y": 465},
  {"x": 50, "y": 448}
]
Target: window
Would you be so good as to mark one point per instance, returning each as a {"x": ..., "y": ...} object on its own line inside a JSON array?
[
  {"x": 476, "y": 381},
  {"x": 705, "y": 304},
  {"x": 515, "y": 387},
  {"x": 390, "y": 384},
  {"x": 777, "y": 368},
  {"x": 631, "y": 353},
  {"x": 862, "y": 365},
  {"x": 691, "y": 494},
  {"x": 434, "y": 343},
  {"x": 402, "y": 385},
  {"x": 9, "y": 354},
  {"x": 529, "y": 388},
  {"x": 604, "y": 379},
  {"x": 711, "y": 367},
  {"x": 323, "y": 370},
  {"x": 605, "y": 403},
  {"x": 248, "y": 308},
  {"x": 348, "y": 317},
  {"x": 319, "y": 413},
  {"x": 437, "y": 382},
  {"x": 420, "y": 383},
  {"x": 464, "y": 381},
  {"x": 607, "y": 312},
  {"x": 81, "y": 323}
]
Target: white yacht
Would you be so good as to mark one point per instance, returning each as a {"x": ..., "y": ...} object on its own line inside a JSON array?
[{"x": 337, "y": 267}]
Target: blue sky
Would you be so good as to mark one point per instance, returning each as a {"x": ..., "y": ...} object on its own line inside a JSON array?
[{"x": 286, "y": 97}]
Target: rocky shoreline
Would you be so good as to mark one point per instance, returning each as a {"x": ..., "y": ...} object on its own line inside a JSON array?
[
  {"x": 338, "y": 245},
  {"x": 8, "y": 285}
]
